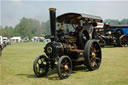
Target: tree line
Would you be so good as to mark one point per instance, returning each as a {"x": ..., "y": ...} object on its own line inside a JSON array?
[
  {"x": 116, "y": 21},
  {"x": 28, "y": 27}
]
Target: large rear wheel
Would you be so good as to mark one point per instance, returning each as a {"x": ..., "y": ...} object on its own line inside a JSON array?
[
  {"x": 64, "y": 67},
  {"x": 41, "y": 66},
  {"x": 92, "y": 55},
  {"x": 123, "y": 41}
]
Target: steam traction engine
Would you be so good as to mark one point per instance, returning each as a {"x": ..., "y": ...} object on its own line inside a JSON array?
[
  {"x": 66, "y": 50},
  {"x": 116, "y": 35}
]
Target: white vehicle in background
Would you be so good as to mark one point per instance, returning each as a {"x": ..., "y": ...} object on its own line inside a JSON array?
[
  {"x": 38, "y": 39},
  {"x": 5, "y": 41},
  {"x": 1, "y": 40},
  {"x": 35, "y": 39},
  {"x": 46, "y": 40},
  {"x": 1, "y": 44}
]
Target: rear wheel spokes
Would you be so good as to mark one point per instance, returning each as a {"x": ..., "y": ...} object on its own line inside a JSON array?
[
  {"x": 94, "y": 48},
  {"x": 65, "y": 61},
  {"x": 63, "y": 71},
  {"x": 98, "y": 59},
  {"x": 93, "y": 63},
  {"x": 95, "y": 57},
  {"x": 123, "y": 41}
]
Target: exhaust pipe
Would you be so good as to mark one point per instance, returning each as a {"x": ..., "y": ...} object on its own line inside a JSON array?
[{"x": 52, "y": 12}]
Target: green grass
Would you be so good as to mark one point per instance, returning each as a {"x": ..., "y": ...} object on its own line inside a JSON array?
[{"x": 16, "y": 68}]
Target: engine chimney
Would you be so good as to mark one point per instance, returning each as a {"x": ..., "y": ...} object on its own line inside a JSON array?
[{"x": 52, "y": 12}]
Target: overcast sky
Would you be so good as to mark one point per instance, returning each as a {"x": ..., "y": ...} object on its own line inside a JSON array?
[{"x": 13, "y": 10}]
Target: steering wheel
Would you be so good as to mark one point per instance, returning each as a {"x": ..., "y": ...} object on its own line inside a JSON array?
[{"x": 83, "y": 37}]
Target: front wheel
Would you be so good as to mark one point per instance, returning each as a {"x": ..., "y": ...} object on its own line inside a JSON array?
[
  {"x": 92, "y": 55},
  {"x": 41, "y": 66},
  {"x": 64, "y": 67}
]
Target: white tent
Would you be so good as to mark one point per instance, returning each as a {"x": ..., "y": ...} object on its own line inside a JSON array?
[{"x": 15, "y": 39}]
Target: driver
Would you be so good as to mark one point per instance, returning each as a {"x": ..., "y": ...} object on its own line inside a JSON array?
[
  {"x": 61, "y": 30},
  {"x": 78, "y": 29}
]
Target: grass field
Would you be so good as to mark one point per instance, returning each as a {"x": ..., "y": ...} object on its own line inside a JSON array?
[{"x": 16, "y": 68}]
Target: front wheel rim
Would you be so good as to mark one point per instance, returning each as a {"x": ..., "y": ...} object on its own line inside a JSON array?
[
  {"x": 41, "y": 66},
  {"x": 64, "y": 68}
]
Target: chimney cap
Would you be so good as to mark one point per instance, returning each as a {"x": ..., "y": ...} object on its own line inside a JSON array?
[{"x": 52, "y": 9}]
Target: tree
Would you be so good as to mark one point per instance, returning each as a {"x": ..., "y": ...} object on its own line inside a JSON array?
[
  {"x": 28, "y": 28},
  {"x": 6, "y": 32},
  {"x": 45, "y": 27},
  {"x": 124, "y": 21},
  {"x": 112, "y": 21}
]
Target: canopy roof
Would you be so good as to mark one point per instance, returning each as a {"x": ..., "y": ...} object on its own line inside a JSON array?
[
  {"x": 74, "y": 18},
  {"x": 118, "y": 26}
]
